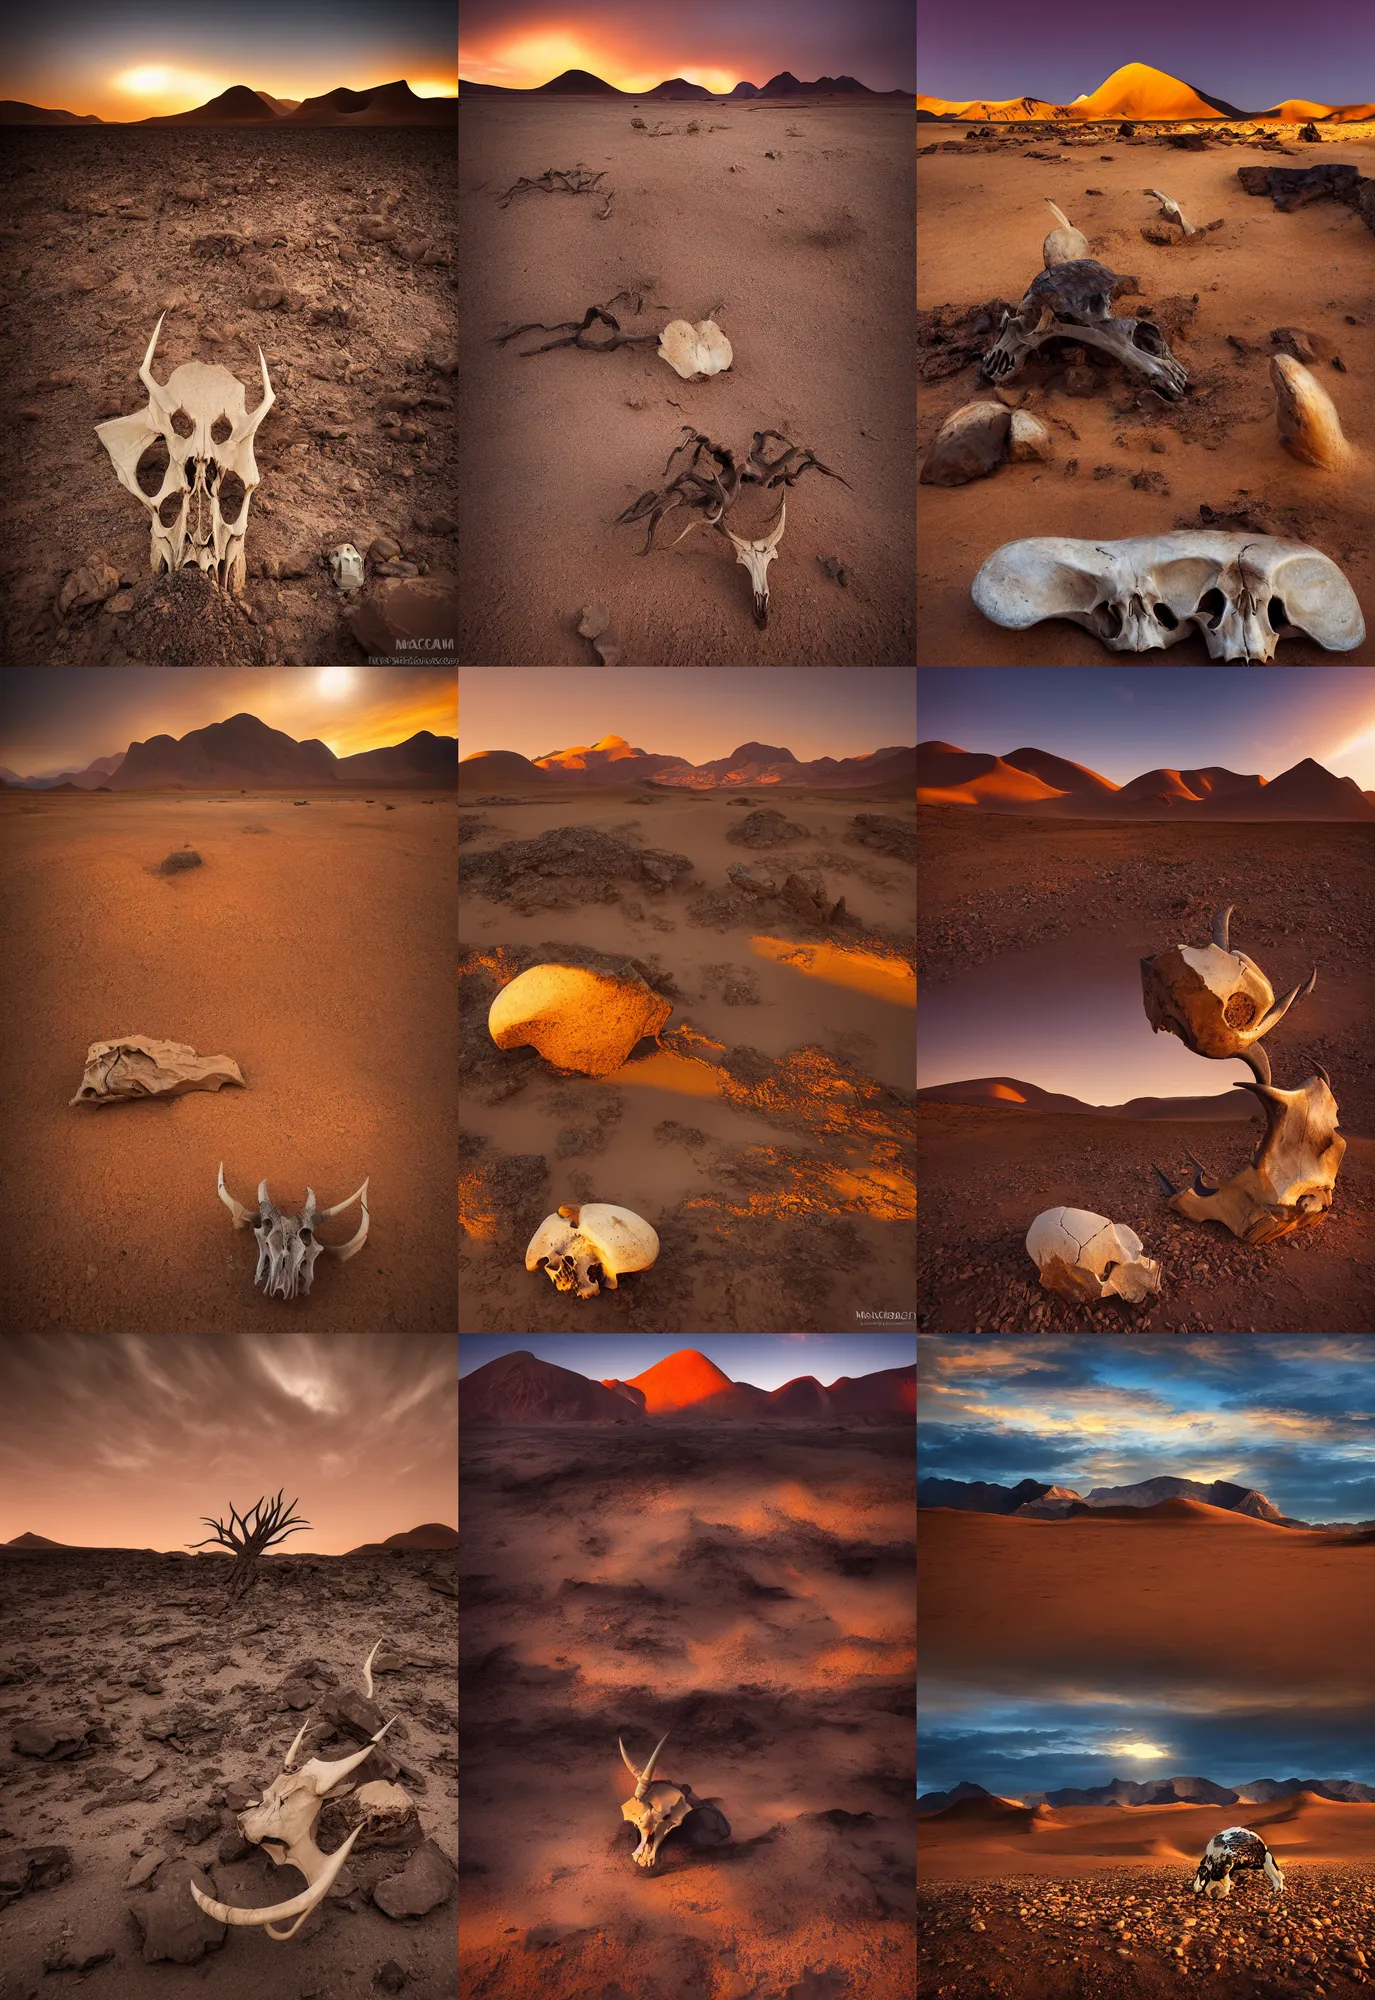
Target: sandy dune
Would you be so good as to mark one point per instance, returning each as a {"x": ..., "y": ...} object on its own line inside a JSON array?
[
  {"x": 313, "y": 946},
  {"x": 748, "y": 1592},
  {"x": 999, "y": 1595},
  {"x": 806, "y": 257}
]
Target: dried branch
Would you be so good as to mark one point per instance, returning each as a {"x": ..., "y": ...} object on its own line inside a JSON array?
[
  {"x": 718, "y": 485},
  {"x": 575, "y": 337},
  {"x": 560, "y": 180}
]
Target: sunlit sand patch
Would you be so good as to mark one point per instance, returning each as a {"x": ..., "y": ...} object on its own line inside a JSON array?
[
  {"x": 664, "y": 1070},
  {"x": 864, "y": 971},
  {"x": 801, "y": 1187},
  {"x": 476, "y": 1210}
]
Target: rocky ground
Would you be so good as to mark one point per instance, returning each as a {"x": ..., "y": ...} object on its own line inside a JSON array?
[
  {"x": 329, "y": 250},
  {"x": 139, "y": 1715},
  {"x": 1119, "y": 1934}
]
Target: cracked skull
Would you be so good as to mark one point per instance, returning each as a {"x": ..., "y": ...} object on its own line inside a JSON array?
[
  {"x": 193, "y": 447},
  {"x": 1217, "y": 1001},
  {"x": 596, "y": 1233},
  {"x": 283, "y": 1820},
  {"x": 1073, "y": 301},
  {"x": 1085, "y": 1257},
  {"x": 287, "y": 1244},
  {"x": 656, "y": 1808}
]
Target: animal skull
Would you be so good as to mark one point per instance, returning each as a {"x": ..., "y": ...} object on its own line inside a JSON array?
[
  {"x": 287, "y": 1244},
  {"x": 756, "y": 556},
  {"x": 1085, "y": 1257},
  {"x": 1289, "y": 1181},
  {"x": 656, "y": 1808},
  {"x": 1244, "y": 593},
  {"x": 597, "y": 1232},
  {"x": 199, "y": 514},
  {"x": 283, "y": 1821},
  {"x": 1217, "y": 1001},
  {"x": 1072, "y": 301}
]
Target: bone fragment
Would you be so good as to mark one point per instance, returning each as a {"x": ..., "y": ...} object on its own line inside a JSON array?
[
  {"x": 1066, "y": 244},
  {"x": 1306, "y": 417},
  {"x": 1028, "y": 438},
  {"x": 1085, "y": 1257},
  {"x": 1172, "y": 212},
  {"x": 579, "y": 1020},
  {"x": 139, "y": 1066},
  {"x": 693, "y": 351}
]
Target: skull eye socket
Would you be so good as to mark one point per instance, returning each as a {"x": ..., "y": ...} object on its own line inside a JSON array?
[
  {"x": 182, "y": 424},
  {"x": 1211, "y": 605},
  {"x": 170, "y": 509},
  {"x": 231, "y": 496},
  {"x": 1166, "y": 617},
  {"x": 221, "y": 430},
  {"x": 1276, "y": 613},
  {"x": 1112, "y": 618},
  {"x": 152, "y": 466}
]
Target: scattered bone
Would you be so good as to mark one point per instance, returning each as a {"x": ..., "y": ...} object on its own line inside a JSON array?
[
  {"x": 1172, "y": 212},
  {"x": 1085, "y": 1257},
  {"x": 1305, "y": 416},
  {"x": 695, "y": 351},
  {"x": 969, "y": 445},
  {"x": 1073, "y": 301},
  {"x": 1065, "y": 245},
  {"x": 570, "y": 1243},
  {"x": 1147, "y": 591},
  {"x": 139, "y": 1066},
  {"x": 564, "y": 180},
  {"x": 287, "y": 1244},
  {"x": 1289, "y": 1181},
  {"x": 1217, "y": 1001}
]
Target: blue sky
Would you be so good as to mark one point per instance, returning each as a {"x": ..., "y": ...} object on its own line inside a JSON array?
[
  {"x": 1288, "y": 1415},
  {"x": 766, "y": 1360}
]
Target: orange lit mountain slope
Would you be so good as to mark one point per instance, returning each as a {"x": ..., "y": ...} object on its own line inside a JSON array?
[{"x": 680, "y": 1381}]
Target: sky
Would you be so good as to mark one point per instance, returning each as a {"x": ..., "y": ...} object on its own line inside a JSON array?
[
  {"x": 1252, "y": 53},
  {"x": 1293, "y": 1417},
  {"x": 62, "y": 718},
  {"x": 765, "y": 1360},
  {"x": 127, "y": 1441},
  {"x": 635, "y": 44},
  {"x": 129, "y": 59},
  {"x": 814, "y": 712},
  {"x": 1121, "y": 721}
]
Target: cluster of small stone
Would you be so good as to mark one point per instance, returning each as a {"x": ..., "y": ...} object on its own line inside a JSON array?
[{"x": 1316, "y": 1941}]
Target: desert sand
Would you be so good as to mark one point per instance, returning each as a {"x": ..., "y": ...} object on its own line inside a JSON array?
[
  {"x": 1219, "y": 448},
  {"x": 806, "y": 258},
  {"x": 176, "y": 1703},
  {"x": 1003, "y": 1596},
  {"x": 765, "y": 1140},
  {"x": 313, "y": 947},
  {"x": 749, "y": 1593}
]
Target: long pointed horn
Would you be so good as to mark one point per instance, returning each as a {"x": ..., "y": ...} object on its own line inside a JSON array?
[
  {"x": 145, "y": 373},
  {"x": 367, "y": 1668},
  {"x": 341, "y": 1252},
  {"x": 299, "y": 1907},
  {"x": 1281, "y": 1007},
  {"x": 323, "y": 1777},
  {"x": 1321, "y": 1071},
  {"x": 1203, "y": 1180},
  {"x": 1258, "y": 1061},
  {"x": 1222, "y": 923},
  {"x": 243, "y": 1217},
  {"x": 340, "y": 1206},
  {"x": 642, "y": 1783},
  {"x": 625, "y": 1759},
  {"x": 269, "y": 398},
  {"x": 290, "y": 1757},
  {"x": 775, "y": 533},
  {"x": 1165, "y": 1180}
]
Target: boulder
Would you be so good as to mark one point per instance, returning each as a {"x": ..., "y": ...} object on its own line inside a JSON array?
[
  {"x": 426, "y": 1881},
  {"x": 764, "y": 828},
  {"x": 410, "y": 618},
  {"x": 53, "y": 1740},
  {"x": 29, "y": 1868},
  {"x": 171, "y": 1923},
  {"x": 969, "y": 445},
  {"x": 575, "y": 1018}
]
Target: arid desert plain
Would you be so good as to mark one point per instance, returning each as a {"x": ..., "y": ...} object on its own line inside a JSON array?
[
  {"x": 767, "y": 1138},
  {"x": 787, "y": 221},
  {"x": 1123, "y": 465},
  {"x": 746, "y": 1591},
  {"x": 311, "y": 945}
]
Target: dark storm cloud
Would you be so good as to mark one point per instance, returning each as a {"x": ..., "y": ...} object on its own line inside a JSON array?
[
  {"x": 129, "y": 1440},
  {"x": 1002, "y": 1457}
]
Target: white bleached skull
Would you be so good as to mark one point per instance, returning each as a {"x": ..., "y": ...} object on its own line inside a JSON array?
[
  {"x": 199, "y": 512},
  {"x": 1217, "y": 1001},
  {"x": 656, "y": 1808},
  {"x": 570, "y": 1243},
  {"x": 756, "y": 556},
  {"x": 1085, "y": 1257},
  {"x": 287, "y": 1244},
  {"x": 1243, "y": 592},
  {"x": 283, "y": 1820}
]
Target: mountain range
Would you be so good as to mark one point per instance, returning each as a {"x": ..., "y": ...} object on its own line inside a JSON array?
[
  {"x": 581, "y": 83},
  {"x": 1160, "y": 1792},
  {"x": 244, "y": 753},
  {"x": 519, "y": 1388},
  {"x": 430, "y": 1535},
  {"x": 1037, "y": 783},
  {"x": 1009, "y": 1092},
  {"x": 1032, "y": 1498},
  {"x": 381, "y": 104},
  {"x": 1135, "y": 91},
  {"x": 613, "y": 761}
]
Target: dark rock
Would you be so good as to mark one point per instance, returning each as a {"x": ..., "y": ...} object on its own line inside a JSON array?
[
  {"x": 970, "y": 444},
  {"x": 233, "y": 1847},
  {"x": 1126, "y": 130},
  {"x": 1304, "y": 345},
  {"x": 29, "y": 1868},
  {"x": 884, "y": 835},
  {"x": 568, "y": 867},
  {"x": 1311, "y": 133},
  {"x": 1293, "y": 187},
  {"x": 79, "y": 1957},
  {"x": 238, "y": 1797},
  {"x": 805, "y": 894},
  {"x": 764, "y": 828},
  {"x": 53, "y": 1740},
  {"x": 1187, "y": 142},
  {"x": 395, "y": 613},
  {"x": 174, "y": 865},
  {"x": 390, "y": 1977},
  {"x": 426, "y": 1881},
  {"x": 752, "y": 880},
  {"x": 1080, "y": 381},
  {"x": 353, "y": 1715},
  {"x": 705, "y": 1826},
  {"x": 194, "y": 1827},
  {"x": 172, "y": 1925}
]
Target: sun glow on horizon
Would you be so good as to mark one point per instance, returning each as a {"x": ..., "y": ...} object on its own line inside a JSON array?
[
  {"x": 1140, "y": 1750},
  {"x": 1355, "y": 758},
  {"x": 529, "y": 61},
  {"x": 167, "y": 88}
]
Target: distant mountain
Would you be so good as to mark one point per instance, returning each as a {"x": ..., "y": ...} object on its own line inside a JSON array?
[
  {"x": 497, "y": 771},
  {"x": 240, "y": 752},
  {"x": 1037, "y": 1500},
  {"x": 687, "y": 1383},
  {"x": 677, "y": 86},
  {"x": 685, "y": 1387},
  {"x": 431, "y": 1535},
  {"x": 383, "y": 104},
  {"x": 635, "y": 1396},
  {"x": 888, "y": 1392},
  {"x": 423, "y": 759},
  {"x": 581, "y": 83},
  {"x": 1060, "y": 773},
  {"x": 1162, "y": 1791},
  {"x": 1035, "y": 783},
  {"x": 520, "y": 1389},
  {"x": 802, "y": 1397},
  {"x": 13, "y": 112},
  {"x": 932, "y": 1802},
  {"x": 1344, "y": 1790},
  {"x": 1010, "y": 1093},
  {"x": 236, "y": 106},
  {"x": 613, "y": 761},
  {"x": 28, "y": 1541},
  {"x": 978, "y": 1496},
  {"x": 1218, "y": 1493},
  {"x": 743, "y": 90}
]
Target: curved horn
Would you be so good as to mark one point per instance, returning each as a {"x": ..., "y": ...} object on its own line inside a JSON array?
[
  {"x": 367, "y": 1669},
  {"x": 1257, "y": 1060},
  {"x": 340, "y": 1206},
  {"x": 323, "y": 1777},
  {"x": 343, "y": 1251},
  {"x": 771, "y": 540},
  {"x": 290, "y": 1757},
  {"x": 264, "y": 1199},
  {"x": 1165, "y": 1180},
  {"x": 269, "y": 398},
  {"x": 1281, "y": 1007},
  {"x": 1222, "y": 920},
  {"x": 308, "y": 1212},
  {"x": 1204, "y": 1183},
  {"x": 626, "y": 1761},
  {"x": 1321, "y": 1072},
  {"x": 299, "y": 1907},
  {"x": 243, "y": 1218},
  {"x": 642, "y": 1782},
  {"x": 145, "y": 373}
]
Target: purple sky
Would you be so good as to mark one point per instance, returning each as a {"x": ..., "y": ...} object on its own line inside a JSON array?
[
  {"x": 766, "y": 1360},
  {"x": 1253, "y": 53}
]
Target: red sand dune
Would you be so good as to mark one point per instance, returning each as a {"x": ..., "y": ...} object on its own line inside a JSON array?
[
  {"x": 947, "y": 776},
  {"x": 1195, "y": 1513},
  {"x": 1137, "y": 91},
  {"x": 679, "y": 1381},
  {"x": 1060, "y": 772}
]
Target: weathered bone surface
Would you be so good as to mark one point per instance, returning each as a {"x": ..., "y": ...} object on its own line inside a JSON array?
[
  {"x": 1172, "y": 212},
  {"x": 756, "y": 557},
  {"x": 1243, "y": 592},
  {"x": 1289, "y": 1182},
  {"x": 693, "y": 351},
  {"x": 1028, "y": 438},
  {"x": 587, "y": 1021},
  {"x": 1306, "y": 417},
  {"x": 1217, "y": 1001},
  {"x": 1065, "y": 245},
  {"x": 141, "y": 1066},
  {"x": 199, "y": 514},
  {"x": 283, "y": 1822},
  {"x": 287, "y": 1244},
  {"x": 597, "y": 1232},
  {"x": 1074, "y": 302},
  {"x": 1086, "y": 1257},
  {"x": 659, "y": 1806}
]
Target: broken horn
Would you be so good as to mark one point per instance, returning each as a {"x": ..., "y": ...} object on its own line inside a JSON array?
[
  {"x": 367, "y": 1669},
  {"x": 145, "y": 373},
  {"x": 1281, "y": 1007},
  {"x": 341, "y": 1252},
  {"x": 299, "y": 1907},
  {"x": 243, "y": 1218},
  {"x": 1222, "y": 923}
]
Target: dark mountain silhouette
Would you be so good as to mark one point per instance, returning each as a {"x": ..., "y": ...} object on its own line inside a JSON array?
[
  {"x": 520, "y": 1389},
  {"x": 1162, "y": 1791},
  {"x": 244, "y": 753},
  {"x": 934, "y": 1802},
  {"x": 678, "y": 86},
  {"x": 743, "y": 90},
  {"x": 978, "y": 1496},
  {"x": 581, "y": 83},
  {"x": 430, "y": 1535},
  {"x": 614, "y": 761},
  {"x": 1059, "y": 772},
  {"x": 1036, "y": 783},
  {"x": 384, "y": 104},
  {"x": 498, "y": 770},
  {"x": 1010, "y": 1093},
  {"x": 684, "y": 1387},
  {"x": 631, "y": 1394},
  {"x": 422, "y": 759},
  {"x": 889, "y": 1392},
  {"x": 1032, "y": 1498},
  {"x": 800, "y": 1398},
  {"x": 236, "y": 106},
  {"x": 13, "y": 112},
  {"x": 29, "y": 1541}
]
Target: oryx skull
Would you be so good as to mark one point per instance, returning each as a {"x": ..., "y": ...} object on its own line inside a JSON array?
[
  {"x": 756, "y": 556},
  {"x": 1217, "y": 1001},
  {"x": 283, "y": 1822},
  {"x": 287, "y": 1244},
  {"x": 1073, "y": 301},
  {"x": 199, "y": 513},
  {"x": 1085, "y": 1257},
  {"x": 1243, "y": 592},
  {"x": 1289, "y": 1181},
  {"x": 596, "y": 1232},
  {"x": 656, "y": 1808}
]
